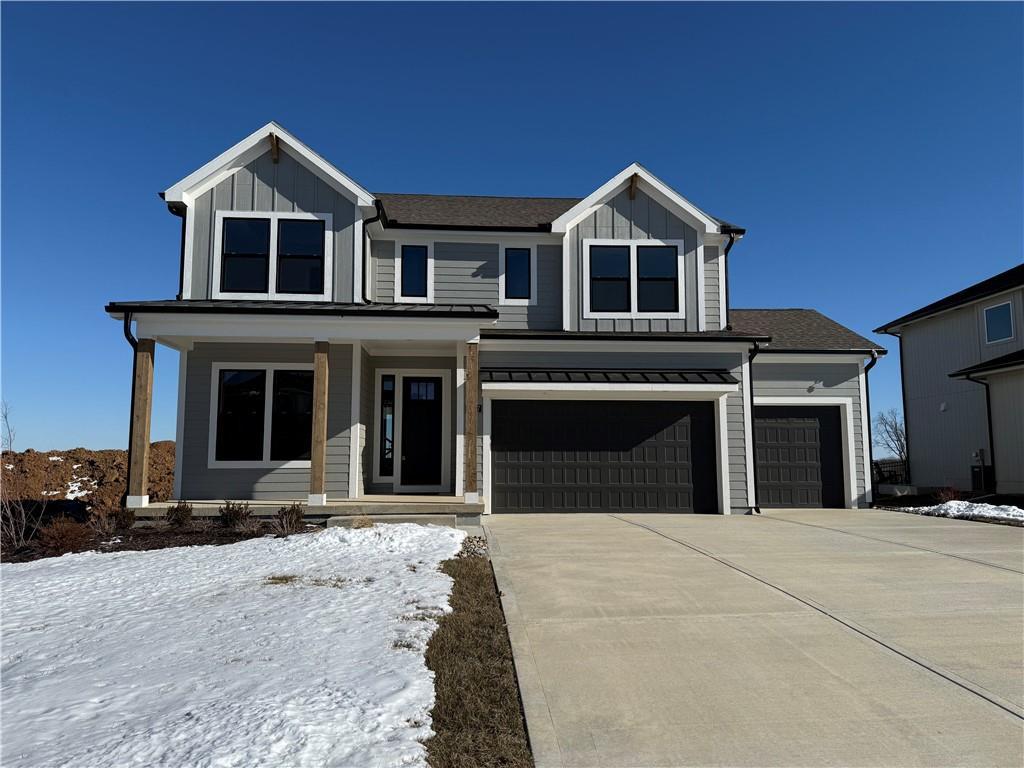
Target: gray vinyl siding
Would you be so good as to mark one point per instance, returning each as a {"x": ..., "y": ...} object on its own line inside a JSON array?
[
  {"x": 946, "y": 418},
  {"x": 712, "y": 283},
  {"x": 811, "y": 380},
  {"x": 624, "y": 219},
  {"x": 199, "y": 481},
  {"x": 735, "y": 402},
  {"x": 366, "y": 420},
  {"x": 1006, "y": 391},
  {"x": 371, "y": 365},
  {"x": 467, "y": 273},
  {"x": 285, "y": 186}
]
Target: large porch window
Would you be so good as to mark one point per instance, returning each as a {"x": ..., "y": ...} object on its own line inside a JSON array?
[{"x": 262, "y": 416}]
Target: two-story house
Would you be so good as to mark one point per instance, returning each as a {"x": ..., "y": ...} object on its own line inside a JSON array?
[
  {"x": 508, "y": 354},
  {"x": 962, "y": 362}
]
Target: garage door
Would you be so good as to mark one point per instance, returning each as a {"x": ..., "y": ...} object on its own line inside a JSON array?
[
  {"x": 799, "y": 456},
  {"x": 600, "y": 456}
]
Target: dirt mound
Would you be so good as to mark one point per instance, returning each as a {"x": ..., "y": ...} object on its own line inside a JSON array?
[{"x": 89, "y": 479}]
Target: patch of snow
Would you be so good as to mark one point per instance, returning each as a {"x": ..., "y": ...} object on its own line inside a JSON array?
[
  {"x": 75, "y": 466},
  {"x": 305, "y": 650},
  {"x": 969, "y": 509},
  {"x": 51, "y": 493},
  {"x": 75, "y": 489},
  {"x": 8, "y": 466},
  {"x": 56, "y": 458}
]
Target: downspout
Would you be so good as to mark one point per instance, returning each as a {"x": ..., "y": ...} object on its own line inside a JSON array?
[
  {"x": 366, "y": 251},
  {"x": 134, "y": 343},
  {"x": 870, "y": 480},
  {"x": 991, "y": 440},
  {"x": 725, "y": 255},
  {"x": 755, "y": 507}
]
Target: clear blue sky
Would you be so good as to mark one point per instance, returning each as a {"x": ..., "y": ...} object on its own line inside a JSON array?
[{"x": 874, "y": 152}]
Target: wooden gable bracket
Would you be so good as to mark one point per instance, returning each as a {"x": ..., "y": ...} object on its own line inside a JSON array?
[
  {"x": 633, "y": 180},
  {"x": 275, "y": 148}
]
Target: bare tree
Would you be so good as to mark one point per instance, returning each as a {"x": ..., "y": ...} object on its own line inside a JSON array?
[
  {"x": 19, "y": 517},
  {"x": 890, "y": 434}
]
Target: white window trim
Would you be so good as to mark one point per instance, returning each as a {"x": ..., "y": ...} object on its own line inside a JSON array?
[
  {"x": 268, "y": 405},
  {"x": 984, "y": 318},
  {"x": 446, "y": 435},
  {"x": 634, "y": 313},
  {"x": 506, "y": 302},
  {"x": 401, "y": 298},
  {"x": 715, "y": 395},
  {"x": 274, "y": 217},
  {"x": 846, "y": 422}
]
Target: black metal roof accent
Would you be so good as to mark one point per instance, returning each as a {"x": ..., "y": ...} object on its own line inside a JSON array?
[
  {"x": 1004, "y": 281},
  {"x": 329, "y": 308},
  {"x": 1011, "y": 360},
  {"x": 616, "y": 376}
]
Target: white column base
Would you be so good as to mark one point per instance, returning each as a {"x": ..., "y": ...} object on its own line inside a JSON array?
[
  {"x": 472, "y": 498},
  {"x": 137, "y": 502},
  {"x": 317, "y": 500}
]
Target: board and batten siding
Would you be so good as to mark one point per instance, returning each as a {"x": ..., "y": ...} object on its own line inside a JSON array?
[
  {"x": 1006, "y": 391},
  {"x": 623, "y": 219},
  {"x": 736, "y": 402},
  {"x": 946, "y": 418},
  {"x": 712, "y": 289},
  {"x": 818, "y": 380},
  {"x": 285, "y": 186},
  {"x": 199, "y": 481},
  {"x": 467, "y": 273}
]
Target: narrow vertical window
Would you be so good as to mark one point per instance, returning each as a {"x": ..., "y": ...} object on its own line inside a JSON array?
[
  {"x": 609, "y": 278},
  {"x": 517, "y": 273},
  {"x": 240, "y": 413},
  {"x": 414, "y": 271},
  {"x": 291, "y": 418},
  {"x": 657, "y": 278},
  {"x": 387, "y": 426},
  {"x": 245, "y": 258},
  {"x": 300, "y": 256}
]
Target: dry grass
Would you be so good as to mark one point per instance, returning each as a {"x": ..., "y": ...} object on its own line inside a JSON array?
[
  {"x": 284, "y": 578},
  {"x": 361, "y": 521},
  {"x": 477, "y": 718}
]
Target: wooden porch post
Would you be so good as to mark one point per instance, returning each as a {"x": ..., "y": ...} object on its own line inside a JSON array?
[
  {"x": 142, "y": 407},
  {"x": 318, "y": 451},
  {"x": 471, "y": 489}
]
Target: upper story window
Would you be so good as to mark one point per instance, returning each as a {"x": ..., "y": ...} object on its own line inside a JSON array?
[
  {"x": 415, "y": 269},
  {"x": 999, "y": 323},
  {"x": 272, "y": 256},
  {"x": 517, "y": 275},
  {"x": 632, "y": 279}
]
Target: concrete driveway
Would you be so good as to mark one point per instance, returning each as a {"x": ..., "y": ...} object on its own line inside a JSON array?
[{"x": 797, "y": 638}]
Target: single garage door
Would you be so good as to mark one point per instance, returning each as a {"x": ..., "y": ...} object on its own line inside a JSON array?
[
  {"x": 601, "y": 456},
  {"x": 799, "y": 456}
]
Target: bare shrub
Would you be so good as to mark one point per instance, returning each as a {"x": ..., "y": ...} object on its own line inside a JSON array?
[
  {"x": 19, "y": 518},
  {"x": 948, "y": 494},
  {"x": 234, "y": 513},
  {"x": 250, "y": 526},
  {"x": 102, "y": 523},
  {"x": 361, "y": 521},
  {"x": 64, "y": 535},
  {"x": 179, "y": 515},
  {"x": 124, "y": 519},
  {"x": 289, "y": 520}
]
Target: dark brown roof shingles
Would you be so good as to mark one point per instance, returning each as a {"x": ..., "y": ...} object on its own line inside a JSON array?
[{"x": 799, "y": 330}]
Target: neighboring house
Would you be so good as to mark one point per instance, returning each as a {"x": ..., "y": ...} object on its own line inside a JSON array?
[
  {"x": 513, "y": 354},
  {"x": 962, "y": 362}
]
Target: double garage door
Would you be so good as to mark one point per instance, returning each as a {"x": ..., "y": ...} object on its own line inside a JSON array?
[
  {"x": 607, "y": 456},
  {"x": 601, "y": 456}
]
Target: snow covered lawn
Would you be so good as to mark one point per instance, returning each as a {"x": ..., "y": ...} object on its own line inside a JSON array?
[
  {"x": 969, "y": 510},
  {"x": 302, "y": 651}
]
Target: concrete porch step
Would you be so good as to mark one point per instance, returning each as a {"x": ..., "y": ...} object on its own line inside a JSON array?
[
  {"x": 397, "y": 508},
  {"x": 452, "y": 521}
]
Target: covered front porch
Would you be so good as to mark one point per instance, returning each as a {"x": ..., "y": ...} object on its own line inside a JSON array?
[{"x": 346, "y": 416}]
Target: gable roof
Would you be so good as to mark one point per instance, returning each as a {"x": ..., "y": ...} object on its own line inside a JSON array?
[
  {"x": 247, "y": 150},
  {"x": 1012, "y": 360},
  {"x": 799, "y": 330},
  {"x": 1004, "y": 281}
]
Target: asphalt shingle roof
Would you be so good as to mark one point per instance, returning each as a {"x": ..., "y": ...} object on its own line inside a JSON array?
[
  {"x": 527, "y": 214},
  {"x": 799, "y": 330},
  {"x": 1004, "y": 281}
]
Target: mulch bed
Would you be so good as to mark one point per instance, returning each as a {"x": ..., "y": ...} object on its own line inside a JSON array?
[{"x": 478, "y": 717}]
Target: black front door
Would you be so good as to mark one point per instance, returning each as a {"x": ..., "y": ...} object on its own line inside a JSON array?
[{"x": 421, "y": 430}]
